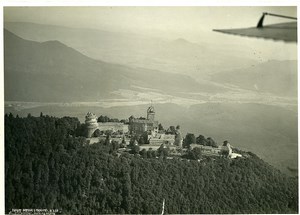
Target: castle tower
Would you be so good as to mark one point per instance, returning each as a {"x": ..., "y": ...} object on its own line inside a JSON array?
[
  {"x": 91, "y": 123},
  {"x": 227, "y": 148},
  {"x": 150, "y": 113},
  {"x": 178, "y": 137}
]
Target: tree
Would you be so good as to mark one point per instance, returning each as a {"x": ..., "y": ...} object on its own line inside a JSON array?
[
  {"x": 194, "y": 154},
  {"x": 160, "y": 127},
  {"x": 80, "y": 130},
  {"x": 163, "y": 151},
  {"x": 143, "y": 153},
  {"x": 189, "y": 139},
  {"x": 135, "y": 149},
  {"x": 103, "y": 119},
  {"x": 108, "y": 132},
  {"x": 107, "y": 139},
  {"x": 171, "y": 130},
  {"x": 123, "y": 143},
  {"x": 114, "y": 146},
  {"x": 134, "y": 139},
  {"x": 211, "y": 142},
  {"x": 201, "y": 140},
  {"x": 143, "y": 138},
  {"x": 97, "y": 133},
  {"x": 131, "y": 118}
]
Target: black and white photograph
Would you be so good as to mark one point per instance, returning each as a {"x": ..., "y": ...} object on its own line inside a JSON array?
[{"x": 150, "y": 109}]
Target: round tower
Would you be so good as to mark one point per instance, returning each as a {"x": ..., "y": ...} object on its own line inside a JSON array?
[
  {"x": 150, "y": 113},
  {"x": 91, "y": 123}
]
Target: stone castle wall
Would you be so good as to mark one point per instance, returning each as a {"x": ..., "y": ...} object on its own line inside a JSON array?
[{"x": 112, "y": 126}]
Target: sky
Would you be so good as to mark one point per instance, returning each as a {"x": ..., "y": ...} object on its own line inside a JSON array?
[{"x": 146, "y": 19}]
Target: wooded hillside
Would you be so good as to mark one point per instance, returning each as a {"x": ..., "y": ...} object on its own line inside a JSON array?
[{"x": 47, "y": 166}]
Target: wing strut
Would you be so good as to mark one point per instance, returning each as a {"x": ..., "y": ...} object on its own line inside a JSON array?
[{"x": 261, "y": 20}]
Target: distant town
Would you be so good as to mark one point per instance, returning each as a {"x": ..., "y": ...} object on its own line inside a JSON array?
[{"x": 147, "y": 134}]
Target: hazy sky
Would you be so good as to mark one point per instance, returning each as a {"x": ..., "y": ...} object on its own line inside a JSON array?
[
  {"x": 192, "y": 23},
  {"x": 146, "y": 18}
]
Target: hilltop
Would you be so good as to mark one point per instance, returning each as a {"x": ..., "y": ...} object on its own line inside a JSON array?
[
  {"x": 51, "y": 168},
  {"x": 268, "y": 131}
]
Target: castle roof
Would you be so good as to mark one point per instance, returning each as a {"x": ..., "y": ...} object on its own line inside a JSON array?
[
  {"x": 150, "y": 109},
  {"x": 144, "y": 121}
]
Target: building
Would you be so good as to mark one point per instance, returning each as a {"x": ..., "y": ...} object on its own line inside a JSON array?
[
  {"x": 157, "y": 145},
  {"x": 227, "y": 148},
  {"x": 92, "y": 125},
  {"x": 141, "y": 125},
  {"x": 178, "y": 137},
  {"x": 136, "y": 125},
  {"x": 216, "y": 151},
  {"x": 158, "y": 139},
  {"x": 208, "y": 150},
  {"x": 113, "y": 126}
]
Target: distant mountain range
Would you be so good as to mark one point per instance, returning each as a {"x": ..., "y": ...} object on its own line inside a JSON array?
[
  {"x": 176, "y": 56},
  {"x": 125, "y": 55},
  {"x": 52, "y": 71}
]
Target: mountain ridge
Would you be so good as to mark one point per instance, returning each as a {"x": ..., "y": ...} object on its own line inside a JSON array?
[
  {"x": 79, "y": 77},
  {"x": 132, "y": 49}
]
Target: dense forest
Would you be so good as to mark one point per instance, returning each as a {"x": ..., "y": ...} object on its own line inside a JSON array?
[{"x": 47, "y": 165}]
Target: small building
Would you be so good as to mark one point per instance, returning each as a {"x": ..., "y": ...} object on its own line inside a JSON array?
[
  {"x": 148, "y": 147},
  {"x": 208, "y": 150},
  {"x": 216, "y": 151},
  {"x": 235, "y": 155},
  {"x": 158, "y": 139}
]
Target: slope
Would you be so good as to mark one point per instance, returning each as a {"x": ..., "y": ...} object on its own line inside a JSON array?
[
  {"x": 59, "y": 171},
  {"x": 51, "y": 71},
  {"x": 268, "y": 131},
  {"x": 177, "y": 56}
]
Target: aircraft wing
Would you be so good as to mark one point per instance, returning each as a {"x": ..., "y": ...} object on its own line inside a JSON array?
[{"x": 284, "y": 31}]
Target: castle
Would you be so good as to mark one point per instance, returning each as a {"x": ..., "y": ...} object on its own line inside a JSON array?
[
  {"x": 135, "y": 126},
  {"x": 155, "y": 137},
  {"x": 139, "y": 126}
]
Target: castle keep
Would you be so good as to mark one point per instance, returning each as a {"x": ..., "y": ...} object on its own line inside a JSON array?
[{"x": 139, "y": 126}]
